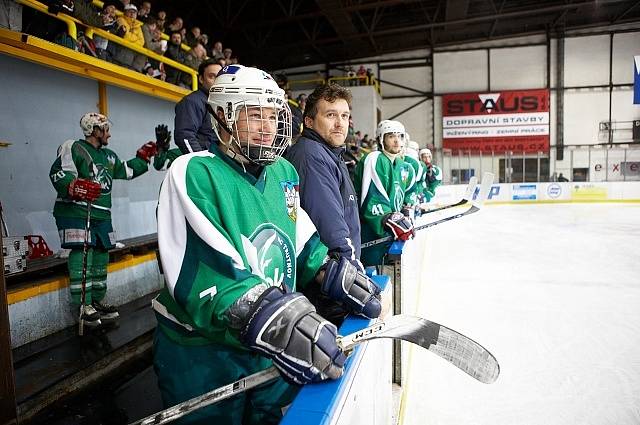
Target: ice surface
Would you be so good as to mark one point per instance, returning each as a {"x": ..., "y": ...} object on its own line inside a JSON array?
[{"x": 553, "y": 291}]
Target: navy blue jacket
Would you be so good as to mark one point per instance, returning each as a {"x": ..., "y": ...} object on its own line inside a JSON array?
[
  {"x": 327, "y": 193},
  {"x": 193, "y": 130}
]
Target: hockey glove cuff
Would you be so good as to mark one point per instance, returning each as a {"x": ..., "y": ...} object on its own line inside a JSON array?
[
  {"x": 344, "y": 283},
  {"x": 302, "y": 344},
  {"x": 400, "y": 226},
  {"x": 147, "y": 151},
  {"x": 84, "y": 190}
]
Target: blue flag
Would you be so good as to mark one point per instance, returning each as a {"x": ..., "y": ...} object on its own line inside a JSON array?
[{"x": 636, "y": 80}]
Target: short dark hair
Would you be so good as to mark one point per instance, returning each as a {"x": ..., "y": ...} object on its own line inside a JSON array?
[
  {"x": 203, "y": 66},
  {"x": 329, "y": 92}
]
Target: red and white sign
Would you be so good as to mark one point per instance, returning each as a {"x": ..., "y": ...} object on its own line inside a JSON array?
[{"x": 512, "y": 120}]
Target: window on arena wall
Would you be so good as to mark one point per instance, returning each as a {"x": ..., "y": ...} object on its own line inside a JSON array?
[
  {"x": 514, "y": 170},
  {"x": 461, "y": 176}
]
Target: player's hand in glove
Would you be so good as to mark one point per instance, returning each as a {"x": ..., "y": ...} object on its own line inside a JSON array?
[
  {"x": 302, "y": 344},
  {"x": 147, "y": 150},
  {"x": 400, "y": 226},
  {"x": 84, "y": 190},
  {"x": 345, "y": 283},
  {"x": 163, "y": 138}
]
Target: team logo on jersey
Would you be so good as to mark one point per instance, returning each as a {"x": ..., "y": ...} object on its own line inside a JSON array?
[
  {"x": 398, "y": 198},
  {"x": 104, "y": 178},
  {"x": 404, "y": 174},
  {"x": 271, "y": 255},
  {"x": 291, "y": 197}
]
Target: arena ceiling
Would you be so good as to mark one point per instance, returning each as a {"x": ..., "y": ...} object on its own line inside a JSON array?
[{"x": 276, "y": 34}]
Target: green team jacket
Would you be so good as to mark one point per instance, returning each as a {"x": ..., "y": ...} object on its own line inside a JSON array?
[
  {"x": 432, "y": 179},
  {"x": 79, "y": 159},
  {"x": 380, "y": 190},
  {"x": 221, "y": 232},
  {"x": 415, "y": 177}
]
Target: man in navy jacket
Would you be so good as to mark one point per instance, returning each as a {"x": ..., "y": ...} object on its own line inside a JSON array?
[
  {"x": 193, "y": 129},
  {"x": 326, "y": 191}
]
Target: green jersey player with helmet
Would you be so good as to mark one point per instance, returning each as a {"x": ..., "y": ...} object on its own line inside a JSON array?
[
  {"x": 378, "y": 180},
  {"x": 83, "y": 173},
  {"x": 236, "y": 247}
]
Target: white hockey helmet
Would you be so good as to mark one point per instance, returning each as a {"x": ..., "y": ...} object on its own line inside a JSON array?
[
  {"x": 237, "y": 88},
  {"x": 425, "y": 151},
  {"x": 411, "y": 149},
  {"x": 91, "y": 120},
  {"x": 389, "y": 126}
]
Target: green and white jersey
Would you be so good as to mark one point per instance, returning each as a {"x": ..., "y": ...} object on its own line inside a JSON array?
[
  {"x": 432, "y": 179},
  {"x": 79, "y": 159},
  {"x": 221, "y": 232},
  {"x": 413, "y": 187},
  {"x": 380, "y": 190}
]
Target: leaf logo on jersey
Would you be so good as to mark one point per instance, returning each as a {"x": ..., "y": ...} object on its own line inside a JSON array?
[
  {"x": 291, "y": 197},
  {"x": 104, "y": 178},
  {"x": 270, "y": 255}
]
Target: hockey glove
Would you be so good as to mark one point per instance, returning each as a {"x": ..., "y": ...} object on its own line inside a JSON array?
[
  {"x": 345, "y": 283},
  {"x": 147, "y": 150},
  {"x": 302, "y": 344},
  {"x": 84, "y": 190},
  {"x": 163, "y": 138},
  {"x": 401, "y": 227}
]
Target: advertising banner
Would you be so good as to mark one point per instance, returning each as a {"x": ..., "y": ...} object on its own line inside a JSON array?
[{"x": 510, "y": 120}]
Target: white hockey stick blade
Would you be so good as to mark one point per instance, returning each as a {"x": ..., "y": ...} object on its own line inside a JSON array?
[{"x": 485, "y": 188}]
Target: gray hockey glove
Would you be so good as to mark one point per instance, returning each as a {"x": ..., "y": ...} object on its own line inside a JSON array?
[
  {"x": 345, "y": 283},
  {"x": 302, "y": 344}
]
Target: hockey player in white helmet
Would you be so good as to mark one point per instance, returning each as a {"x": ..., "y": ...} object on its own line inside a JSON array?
[
  {"x": 378, "y": 180},
  {"x": 236, "y": 247},
  {"x": 83, "y": 173},
  {"x": 432, "y": 175}
]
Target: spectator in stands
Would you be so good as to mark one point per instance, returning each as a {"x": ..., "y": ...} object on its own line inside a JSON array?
[
  {"x": 131, "y": 30},
  {"x": 227, "y": 52},
  {"x": 192, "y": 126},
  {"x": 145, "y": 11},
  {"x": 302, "y": 101},
  {"x": 562, "y": 178},
  {"x": 362, "y": 76},
  {"x": 216, "y": 52},
  {"x": 87, "y": 13},
  {"x": 148, "y": 31},
  {"x": 193, "y": 59},
  {"x": 351, "y": 74},
  {"x": 83, "y": 175},
  {"x": 369, "y": 76},
  {"x": 105, "y": 50},
  {"x": 176, "y": 25},
  {"x": 204, "y": 40},
  {"x": 183, "y": 33},
  {"x": 326, "y": 191},
  {"x": 192, "y": 36},
  {"x": 161, "y": 20},
  {"x": 11, "y": 15},
  {"x": 175, "y": 53}
]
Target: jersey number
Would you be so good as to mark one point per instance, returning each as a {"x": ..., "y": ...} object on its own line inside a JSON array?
[{"x": 377, "y": 210}]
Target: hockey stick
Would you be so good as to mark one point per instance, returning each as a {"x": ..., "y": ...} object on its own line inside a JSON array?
[
  {"x": 457, "y": 349},
  {"x": 85, "y": 254},
  {"x": 468, "y": 194},
  {"x": 487, "y": 181}
]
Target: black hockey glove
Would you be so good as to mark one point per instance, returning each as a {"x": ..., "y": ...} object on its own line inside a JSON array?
[
  {"x": 163, "y": 138},
  {"x": 302, "y": 344},
  {"x": 345, "y": 283}
]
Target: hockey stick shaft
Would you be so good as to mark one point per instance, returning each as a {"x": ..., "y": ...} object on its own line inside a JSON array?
[
  {"x": 85, "y": 255},
  {"x": 487, "y": 181},
  {"x": 459, "y": 350}
]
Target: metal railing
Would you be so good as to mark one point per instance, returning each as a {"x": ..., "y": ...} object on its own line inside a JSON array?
[
  {"x": 587, "y": 163},
  {"x": 357, "y": 81}
]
